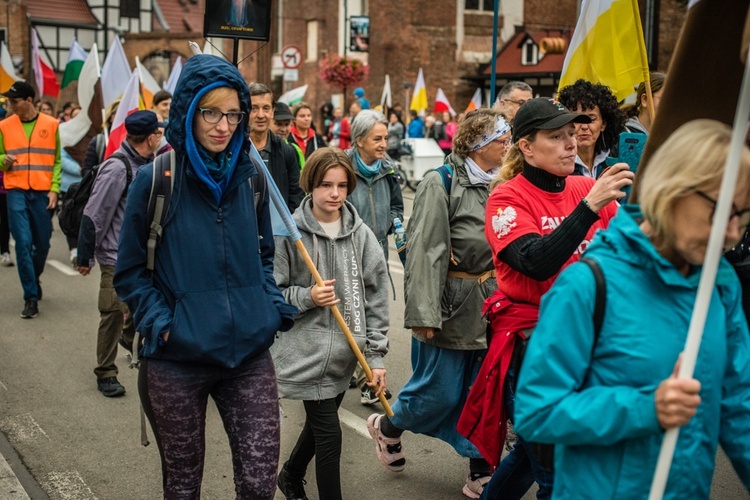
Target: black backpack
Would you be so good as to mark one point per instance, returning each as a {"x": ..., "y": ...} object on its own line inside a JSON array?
[{"x": 71, "y": 212}]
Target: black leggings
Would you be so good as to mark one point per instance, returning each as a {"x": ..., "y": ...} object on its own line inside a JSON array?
[
  {"x": 4, "y": 226},
  {"x": 321, "y": 438},
  {"x": 174, "y": 397}
]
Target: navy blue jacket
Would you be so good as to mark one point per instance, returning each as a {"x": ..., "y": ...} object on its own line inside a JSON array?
[{"x": 212, "y": 288}]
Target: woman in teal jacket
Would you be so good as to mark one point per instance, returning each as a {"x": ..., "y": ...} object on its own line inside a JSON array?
[{"x": 606, "y": 401}]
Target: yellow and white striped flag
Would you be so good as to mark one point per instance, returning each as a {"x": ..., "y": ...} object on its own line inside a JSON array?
[
  {"x": 7, "y": 73},
  {"x": 607, "y": 47},
  {"x": 419, "y": 100}
]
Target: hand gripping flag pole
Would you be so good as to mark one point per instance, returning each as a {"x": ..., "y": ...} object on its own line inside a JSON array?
[
  {"x": 283, "y": 225},
  {"x": 708, "y": 274}
]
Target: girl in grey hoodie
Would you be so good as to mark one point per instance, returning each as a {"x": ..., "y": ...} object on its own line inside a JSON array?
[{"x": 314, "y": 362}]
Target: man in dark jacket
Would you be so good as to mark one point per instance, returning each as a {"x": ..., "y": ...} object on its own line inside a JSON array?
[
  {"x": 280, "y": 158},
  {"x": 99, "y": 236}
]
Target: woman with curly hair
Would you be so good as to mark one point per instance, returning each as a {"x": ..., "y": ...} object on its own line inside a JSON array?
[{"x": 598, "y": 138}]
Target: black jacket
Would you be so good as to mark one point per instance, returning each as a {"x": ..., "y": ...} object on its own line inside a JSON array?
[
  {"x": 284, "y": 167},
  {"x": 316, "y": 143}
]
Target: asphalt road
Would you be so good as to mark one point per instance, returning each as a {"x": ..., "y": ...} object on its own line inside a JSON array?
[{"x": 78, "y": 445}]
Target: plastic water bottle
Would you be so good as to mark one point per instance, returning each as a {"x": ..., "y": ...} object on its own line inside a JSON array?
[{"x": 399, "y": 237}]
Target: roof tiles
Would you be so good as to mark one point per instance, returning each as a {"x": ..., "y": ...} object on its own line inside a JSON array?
[{"x": 65, "y": 11}]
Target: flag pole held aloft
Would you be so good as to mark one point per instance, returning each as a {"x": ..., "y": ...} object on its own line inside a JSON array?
[{"x": 708, "y": 274}]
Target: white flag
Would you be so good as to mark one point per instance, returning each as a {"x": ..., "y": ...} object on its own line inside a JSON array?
[
  {"x": 174, "y": 76},
  {"x": 386, "y": 99},
  {"x": 115, "y": 72}
]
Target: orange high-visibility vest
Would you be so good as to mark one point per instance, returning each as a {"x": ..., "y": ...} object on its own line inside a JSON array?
[{"x": 36, "y": 155}]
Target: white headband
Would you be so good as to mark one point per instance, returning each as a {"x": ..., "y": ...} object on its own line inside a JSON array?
[{"x": 501, "y": 128}]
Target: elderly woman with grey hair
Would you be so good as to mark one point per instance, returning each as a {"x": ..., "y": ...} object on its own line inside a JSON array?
[{"x": 377, "y": 196}]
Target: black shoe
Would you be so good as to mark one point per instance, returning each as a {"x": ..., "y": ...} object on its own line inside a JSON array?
[
  {"x": 352, "y": 382},
  {"x": 38, "y": 290},
  {"x": 368, "y": 397},
  {"x": 293, "y": 489},
  {"x": 30, "y": 309},
  {"x": 110, "y": 387}
]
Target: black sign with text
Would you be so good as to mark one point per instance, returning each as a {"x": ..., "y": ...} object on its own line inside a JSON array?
[{"x": 248, "y": 19}]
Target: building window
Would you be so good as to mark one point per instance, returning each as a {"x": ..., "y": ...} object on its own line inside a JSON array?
[
  {"x": 130, "y": 8},
  {"x": 529, "y": 53},
  {"x": 481, "y": 5}
]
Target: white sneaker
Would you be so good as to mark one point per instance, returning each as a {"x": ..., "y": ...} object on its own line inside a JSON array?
[{"x": 5, "y": 260}]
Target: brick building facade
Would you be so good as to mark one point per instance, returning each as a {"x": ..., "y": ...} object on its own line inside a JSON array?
[{"x": 450, "y": 39}]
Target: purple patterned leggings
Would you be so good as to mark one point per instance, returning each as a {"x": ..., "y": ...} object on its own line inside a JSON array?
[{"x": 174, "y": 397}]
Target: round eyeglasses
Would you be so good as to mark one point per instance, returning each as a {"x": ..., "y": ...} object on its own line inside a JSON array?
[{"x": 214, "y": 116}]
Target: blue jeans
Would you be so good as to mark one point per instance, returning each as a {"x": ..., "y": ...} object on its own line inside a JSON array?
[
  {"x": 521, "y": 467},
  {"x": 31, "y": 227},
  {"x": 431, "y": 401}
]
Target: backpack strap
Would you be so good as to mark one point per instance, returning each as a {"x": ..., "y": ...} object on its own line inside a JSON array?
[
  {"x": 601, "y": 296},
  {"x": 101, "y": 145},
  {"x": 162, "y": 184},
  {"x": 128, "y": 170},
  {"x": 446, "y": 174}
]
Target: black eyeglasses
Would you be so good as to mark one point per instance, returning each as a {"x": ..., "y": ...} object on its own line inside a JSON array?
[
  {"x": 214, "y": 116},
  {"x": 743, "y": 215}
]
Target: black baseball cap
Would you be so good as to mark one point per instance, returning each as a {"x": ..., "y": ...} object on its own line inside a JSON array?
[
  {"x": 543, "y": 113},
  {"x": 282, "y": 112},
  {"x": 142, "y": 123},
  {"x": 20, "y": 89}
]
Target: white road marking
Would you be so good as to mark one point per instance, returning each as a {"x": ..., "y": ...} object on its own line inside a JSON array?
[
  {"x": 355, "y": 423},
  {"x": 10, "y": 487},
  {"x": 22, "y": 427},
  {"x": 68, "y": 486},
  {"x": 63, "y": 268}
]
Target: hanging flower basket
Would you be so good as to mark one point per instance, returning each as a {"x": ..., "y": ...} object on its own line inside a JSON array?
[{"x": 343, "y": 72}]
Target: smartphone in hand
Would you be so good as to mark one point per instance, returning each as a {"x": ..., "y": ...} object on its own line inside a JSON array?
[{"x": 631, "y": 150}]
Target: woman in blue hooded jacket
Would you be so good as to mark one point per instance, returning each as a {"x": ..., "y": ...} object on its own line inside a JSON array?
[
  {"x": 210, "y": 309},
  {"x": 605, "y": 401}
]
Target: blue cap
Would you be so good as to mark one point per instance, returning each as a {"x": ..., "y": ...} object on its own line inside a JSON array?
[
  {"x": 142, "y": 123},
  {"x": 359, "y": 92}
]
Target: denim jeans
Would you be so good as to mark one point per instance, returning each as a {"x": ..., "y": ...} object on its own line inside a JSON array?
[
  {"x": 31, "y": 227},
  {"x": 521, "y": 467}
]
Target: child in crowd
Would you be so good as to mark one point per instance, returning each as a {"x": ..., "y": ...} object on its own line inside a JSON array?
[{"x": 314, "y": 362}]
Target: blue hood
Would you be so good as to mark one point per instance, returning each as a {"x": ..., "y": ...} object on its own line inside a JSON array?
[{"x": 201, "y": 74}]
